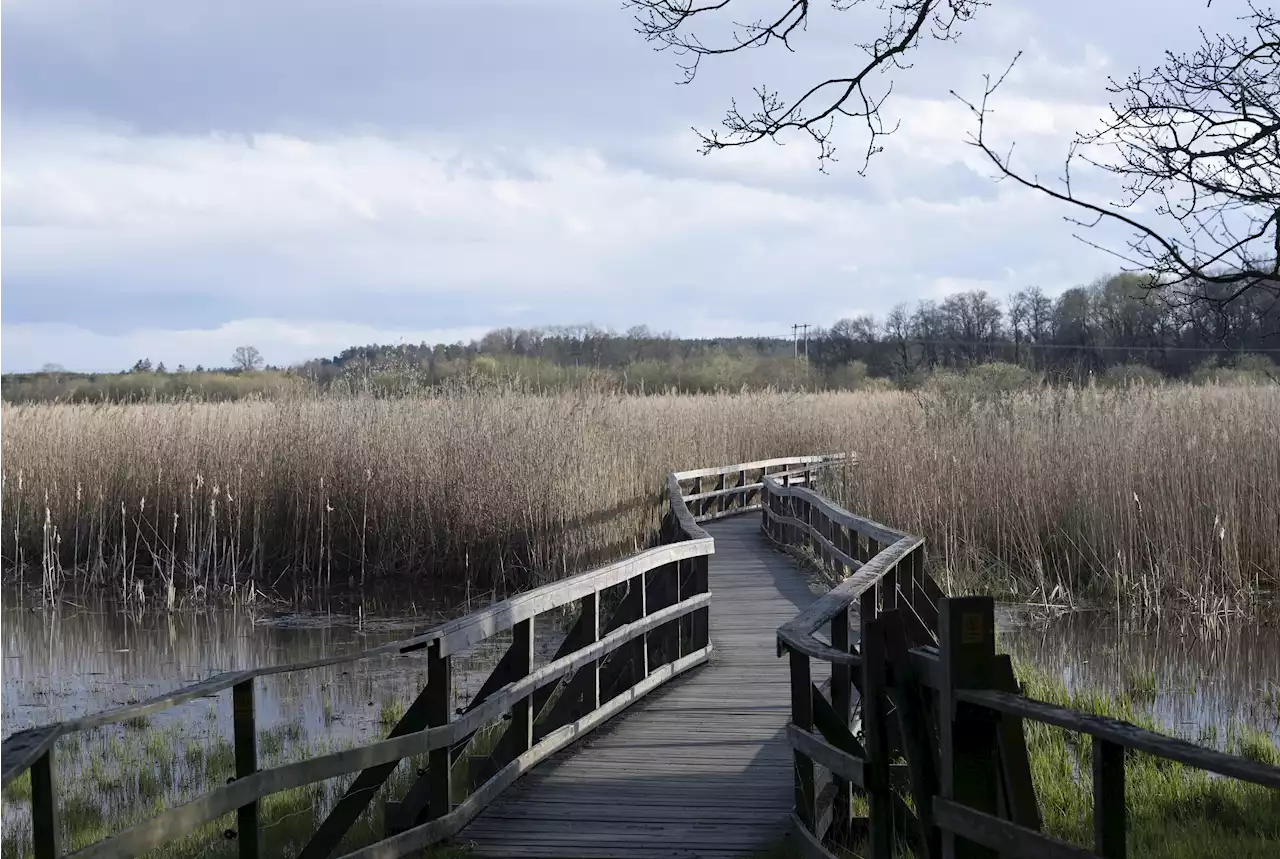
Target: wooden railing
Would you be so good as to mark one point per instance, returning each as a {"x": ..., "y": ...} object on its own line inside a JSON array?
[
  {"x": 641, "y": 621},
  {"x": 933, "y": 693}
]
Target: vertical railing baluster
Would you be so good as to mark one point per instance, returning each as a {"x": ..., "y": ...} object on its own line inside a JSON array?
[
  {"x": 439, "y": 761},
  {"x": 591, "y": 613},
  {"x": 842, "y": 702},
  {"x": 867, "y": 603},
  {"x": 522, "y": 714},
  {"x": 1108, "y": 799},
  {"x": 888, "y": 587},
  {"x": 702, "y": 616},
  {"x": 720, "y": 499},
  {"x": 640, "y": 582},
  {"x": 874, "y": 711},
  {"x": 248, "y": 823},
  {"x": 802, "y": 717},
  {"x": 45, "y": 835}
]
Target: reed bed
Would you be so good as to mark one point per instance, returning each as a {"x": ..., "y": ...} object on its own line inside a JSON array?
[
  {"x": 1143, "y": 496},
  {"x": 482, "y": 490},
  {"x": 1140, "y": 495}
]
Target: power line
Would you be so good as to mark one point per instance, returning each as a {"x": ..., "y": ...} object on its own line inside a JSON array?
[{"x": 1028, "y": 344}]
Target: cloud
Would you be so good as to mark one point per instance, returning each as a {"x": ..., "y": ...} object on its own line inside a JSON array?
[
  {"x": 282, "y": 343},
  {"x": 114, "y": 232},
  {"x": 197, "y": 174}
]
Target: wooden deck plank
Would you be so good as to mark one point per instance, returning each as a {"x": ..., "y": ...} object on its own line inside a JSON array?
[{"x": 701, "y": 768}]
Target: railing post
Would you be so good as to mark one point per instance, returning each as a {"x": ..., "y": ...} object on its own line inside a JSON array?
[
  {"x": 439, "y": 761},
  {"x": 806, "y": 538},
  {"x": 1108, "y": 799},
  {"x": 888, "y": 588},
  {"x": 874, "y": 711},
  {"x": 46, "y": 839},
  {"x": 522, "y": 714},
  {"x": 766, "y": 502},
  {"x": 644, "y": 637},
  {"x": 701, "y": 624},
  {"x": 248, "y": 824},
  {"x": 662, "y": 589},
  {"x": 746, "y": 493},
  {"x": 842, "y": 703},
  {"x": 591, "y": 615},
  {"x": 828, "y": 533},
  {"x": 867, "y": 603},
  {"x": 967, "y": 735},
  {"x": 720, "y": 499},
  {"x": 802, "y": 717}
]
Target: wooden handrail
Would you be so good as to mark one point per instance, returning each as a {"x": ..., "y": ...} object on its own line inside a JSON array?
[
  {"x": 1125, "y": 734},
  {"x": 223, "y": 800},
  {"x": 764, "y": 464},
  {"x": 666, "y": 607},
  {"x": 976, "y": 783}
]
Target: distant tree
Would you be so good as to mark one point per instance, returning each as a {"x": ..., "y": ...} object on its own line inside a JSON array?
[
  {"x": 160, "y": 368},
  {"x": 182, "y": 368},
  {"x": 143, "y": 366},
  {"x": 199, "y": 368},
  {"x": 246, "y": 358},
  {"x": 53, "y": 368}
]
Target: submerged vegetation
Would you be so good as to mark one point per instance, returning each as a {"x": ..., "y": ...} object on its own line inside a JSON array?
[
  {"x": 1137, "y": 496},
  {"x": 117, "y": 776},
  {"x": 1174, "y": 811}
]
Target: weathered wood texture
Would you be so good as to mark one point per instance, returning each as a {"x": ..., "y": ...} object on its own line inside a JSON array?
[{"x": 701, "y": 768}]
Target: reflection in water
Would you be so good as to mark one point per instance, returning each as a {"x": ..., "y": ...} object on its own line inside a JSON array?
[
  {"x": 1194, "y": 681},
  {"x": 71, "y": 660}
]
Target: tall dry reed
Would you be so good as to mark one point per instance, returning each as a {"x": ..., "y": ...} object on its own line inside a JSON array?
[
  {"x": 488, "y": 490},
  {"x": 1141, "y": 494}
]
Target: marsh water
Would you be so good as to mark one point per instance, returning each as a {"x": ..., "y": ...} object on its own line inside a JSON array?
[
  {"x": 1193, "y": 678},
  {"x": 79, "y": 657},
  {"x": 76, "y": 658}
]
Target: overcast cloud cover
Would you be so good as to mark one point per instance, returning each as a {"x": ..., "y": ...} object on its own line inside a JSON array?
[{"x": 304, "y": 175}]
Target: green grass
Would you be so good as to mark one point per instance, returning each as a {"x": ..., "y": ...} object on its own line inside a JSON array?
[
  {"x": 390, "y": 713},
  {"x": 113, "y": 778},
  {"x": 1174, "y": 811}
]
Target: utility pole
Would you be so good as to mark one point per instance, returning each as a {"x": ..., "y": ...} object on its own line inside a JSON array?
[{"x": 795, "y": 345}]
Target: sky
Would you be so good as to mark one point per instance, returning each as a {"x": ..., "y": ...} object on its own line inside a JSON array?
[{"x": 179, "y": 179}]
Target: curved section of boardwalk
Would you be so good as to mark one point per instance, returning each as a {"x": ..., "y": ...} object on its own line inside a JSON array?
[{"x": 699, "y": 768}]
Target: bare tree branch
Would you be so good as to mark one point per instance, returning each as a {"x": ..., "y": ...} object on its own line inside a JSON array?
[
  {"x": 1195, "y": 143},
  {"x": 814, "y": 112}
]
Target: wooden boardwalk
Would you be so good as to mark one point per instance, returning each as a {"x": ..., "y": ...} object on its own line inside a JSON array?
[{"x": 701, "y": 767}]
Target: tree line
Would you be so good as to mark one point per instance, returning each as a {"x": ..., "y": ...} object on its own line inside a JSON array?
[
  {"x": 1115, "y": 322},
  {"x": 1114, "y": 329}
]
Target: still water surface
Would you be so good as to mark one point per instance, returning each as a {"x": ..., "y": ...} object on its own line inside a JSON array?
[{"x": 75, "y": 659}]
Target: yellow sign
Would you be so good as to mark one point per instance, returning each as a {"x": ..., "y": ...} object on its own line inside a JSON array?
[{"x": 971, "y": 629}]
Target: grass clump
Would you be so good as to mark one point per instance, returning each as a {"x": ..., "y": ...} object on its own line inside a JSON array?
[
  {"x": 389, "y": 713},
  {"x": 1173, "y": 811}
]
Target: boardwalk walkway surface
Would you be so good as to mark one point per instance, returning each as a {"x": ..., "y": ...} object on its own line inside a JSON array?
[{"x": 701, "y": 767}]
